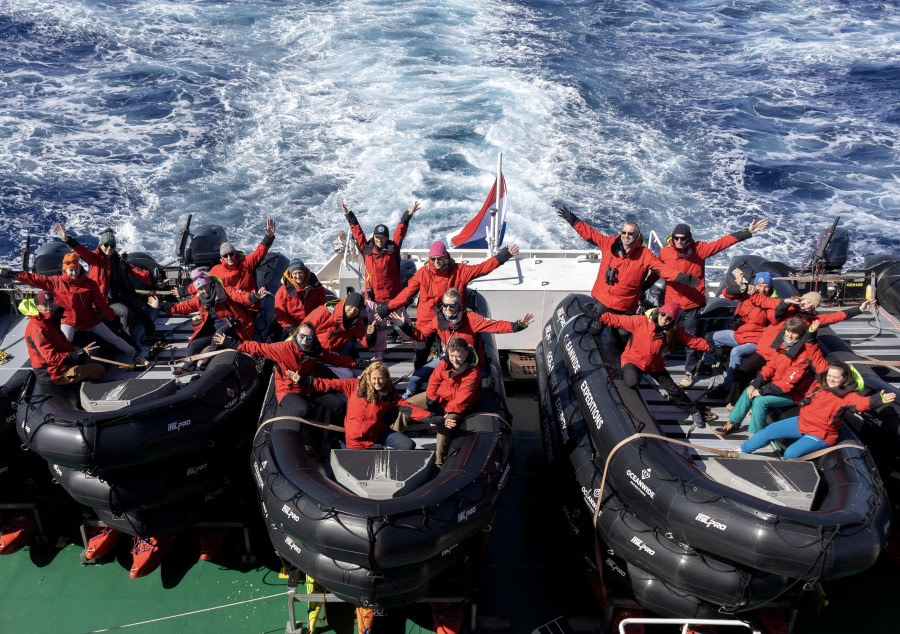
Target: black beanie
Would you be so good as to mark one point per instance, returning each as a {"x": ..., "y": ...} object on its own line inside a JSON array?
[
  {"x": 681, "y": 229},
  {"x": 355, "y": 299}
]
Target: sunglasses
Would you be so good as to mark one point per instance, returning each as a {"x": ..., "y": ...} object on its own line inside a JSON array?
[
  {"x": 304, "y": 337},
  {"x": 452, "y": 306},
  {"x": 669, "y": 317},
  {"x": 628, "y": 233},
  {"x": 229, "y": 255},
  {"x": 679, "y": 238}
]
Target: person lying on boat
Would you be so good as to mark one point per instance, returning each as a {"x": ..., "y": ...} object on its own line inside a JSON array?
[
  {"x": 300, "y": 294},
  {"x": 54, "y": 359},
  {"x": 237, "y": 270},
  {"x": 754, "y": 312},
  {"x": 651, "y": 335},
  {"x": 781, "y": 382},
  {"x": 433, "y": 279},
  {"x": 381, "y": 256},
  {"x": 337, "y": 329},
  {"x": 687, "y": 255},
  {"x": 111, "y": 271},
  {"x": 453, "y": 390},
  {"x": 220, "y": 309},
  {"x": 299, "y": 356},
  {"x": 451, "y": 320},
  {"x": 821, "y": 414},
  {"x": 79, "y": 296},
  {"x": 624, "y": 265},
  {"x": 803, "y": 307},
  {"x": 372, "y": 406}
]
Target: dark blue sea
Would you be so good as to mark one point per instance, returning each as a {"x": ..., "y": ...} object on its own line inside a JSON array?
[{"x": 135, "y": 113}]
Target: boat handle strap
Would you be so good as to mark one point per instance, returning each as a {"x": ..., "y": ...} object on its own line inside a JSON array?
[{"x": 724, "y": 453}]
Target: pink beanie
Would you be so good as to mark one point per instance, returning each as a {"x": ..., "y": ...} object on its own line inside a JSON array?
[
  {"x": 672, "y": 309},
  {"x": 438, "y": 250}
]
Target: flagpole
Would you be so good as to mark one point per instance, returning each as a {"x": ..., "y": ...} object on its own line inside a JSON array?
[{"x": 495, "y": 221}]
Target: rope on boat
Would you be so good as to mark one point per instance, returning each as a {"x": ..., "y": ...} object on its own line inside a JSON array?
[
  {"x": 724, "y": 453},
  {"x": 191, "y": 613}
]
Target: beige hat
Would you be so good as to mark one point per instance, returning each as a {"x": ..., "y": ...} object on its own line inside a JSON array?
[{"x": 813, "y": 297}]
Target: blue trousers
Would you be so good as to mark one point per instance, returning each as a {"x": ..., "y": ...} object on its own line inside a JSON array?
[
  {"x": 788, "y": 428},
  {"x": 725, "y": 338},
  {"x": 757, "y": 408}
]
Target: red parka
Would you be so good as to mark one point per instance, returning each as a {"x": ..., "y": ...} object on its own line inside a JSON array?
[
  {"x": 330, "y": 330},
  {"x": 630, "y": 269},
  {"x": 431, "y": 284},
  {"x": 788, "y": 371},
  {"x": 101, "y": 267},
  {"x": 290, "y": 357},
  {"x": 230, "y": 303},
  {"x": 468, "y": 327},
  {"x": 783, "y": 311},
  {"x": 645, "y": 348},
  {"x": 822, "y": 411},
  {"x": 49, "y": 350},
  {"x": 383, "y": 280},
  {"x": 242, "y": 274},
  {"x": 455, "y": 391},
  {"x": 365, "y": 421},
  {"x": 756, "y": 311},
  {"x": 78, "y": 298},
  {"x": 293, "y": 303},
  {"x": 692, "y": 260}
]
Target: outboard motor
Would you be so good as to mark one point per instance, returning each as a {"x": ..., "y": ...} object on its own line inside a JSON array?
[
  {"x": 836, "y": 252},
  {"x": 48, "y": 257},
  {"x": 203, "y": 249}
]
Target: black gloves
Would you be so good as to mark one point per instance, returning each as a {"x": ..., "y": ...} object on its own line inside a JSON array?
[
  {"x": 305, "y": 381},
  {"x": 503, "y": 255},
  {"x": 362, "y": 364},
  {"x": 382, "y": 310},
  {"x": 563, "y": 212}
]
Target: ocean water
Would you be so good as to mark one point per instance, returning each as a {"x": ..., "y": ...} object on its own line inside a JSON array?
[{"x": 135, "y": 113}]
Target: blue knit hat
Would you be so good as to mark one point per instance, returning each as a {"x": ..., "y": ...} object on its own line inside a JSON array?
[
  {"x": 296, "y": 265},
  {"x": 763, "y": 277}
]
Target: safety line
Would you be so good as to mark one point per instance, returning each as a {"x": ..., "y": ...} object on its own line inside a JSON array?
[{"x": 176, "y": 616}]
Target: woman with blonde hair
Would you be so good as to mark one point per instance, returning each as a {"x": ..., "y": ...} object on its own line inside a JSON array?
[{"x": 372, "y": 405}]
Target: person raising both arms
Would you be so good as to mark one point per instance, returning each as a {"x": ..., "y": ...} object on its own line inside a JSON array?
[
  {"x": 624, "y": 266},
  {"x": 687, "y": 255},
  {"x": 452, "y": 321},
  {"x": 433, "y": 279},
  {"x": 381, "y": 256}
]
